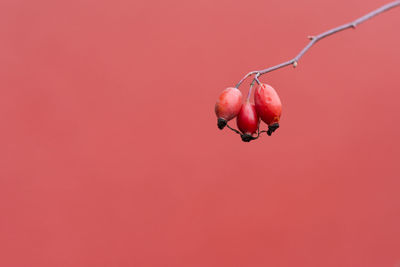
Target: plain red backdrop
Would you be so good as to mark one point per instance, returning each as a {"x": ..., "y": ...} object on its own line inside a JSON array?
[{"x": 110, "y": 153}]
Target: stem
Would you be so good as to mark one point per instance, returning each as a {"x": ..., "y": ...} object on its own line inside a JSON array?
[
  {"x": 314, "y": 39},
  {"x": 250, "y": 90},
  {"x": 245, "y": 77}
]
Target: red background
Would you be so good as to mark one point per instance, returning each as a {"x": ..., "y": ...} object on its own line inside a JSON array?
[{"x": 110, "y": 153}]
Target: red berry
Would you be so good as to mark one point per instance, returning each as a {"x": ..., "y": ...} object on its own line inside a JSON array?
[
  {"x": 247, "y": 121},
  {"x": 228, "y": 106},
  {"x": 268, "y": 106}
]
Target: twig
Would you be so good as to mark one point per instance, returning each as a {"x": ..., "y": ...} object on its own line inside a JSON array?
[{"x": 314, "y": 39}]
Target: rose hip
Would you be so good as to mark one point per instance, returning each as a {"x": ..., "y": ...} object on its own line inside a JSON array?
[
  {"x": 268, "y": 106},
  {"x": 228, "y": 106},
  {"x": 247, "y": 121}
]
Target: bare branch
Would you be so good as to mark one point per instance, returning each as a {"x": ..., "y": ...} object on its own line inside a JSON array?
[{"x": 314, "y": 39}]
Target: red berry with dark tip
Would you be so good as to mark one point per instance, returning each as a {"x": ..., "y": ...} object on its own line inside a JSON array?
[
  {"x": 228, "y": 106},
  {"x": 268, "y": 106},
  {"x": 247, "y": 120}
]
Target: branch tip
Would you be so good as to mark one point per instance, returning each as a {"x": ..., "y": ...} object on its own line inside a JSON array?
[{"x": 316, "y": 38}]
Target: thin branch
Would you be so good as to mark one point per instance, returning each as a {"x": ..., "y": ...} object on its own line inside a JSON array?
[{"x": 314, "y": 39}]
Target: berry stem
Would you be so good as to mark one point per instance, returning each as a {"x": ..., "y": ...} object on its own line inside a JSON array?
[
  {"x": 314, "y": 39},
  {"x": 250, "y": 90}
]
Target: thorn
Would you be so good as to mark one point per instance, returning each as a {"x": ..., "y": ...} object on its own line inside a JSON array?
[
  {"x": 294, "y": 64},
  {"x": 353, "y": 25},
  {"x": 311, "y": 37}
]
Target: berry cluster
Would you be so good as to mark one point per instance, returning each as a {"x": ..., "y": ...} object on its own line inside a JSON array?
[
  {"x": 267, "y": 104},
  {"x": 267, "y": 107}
]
